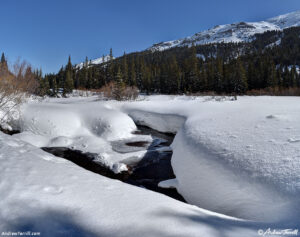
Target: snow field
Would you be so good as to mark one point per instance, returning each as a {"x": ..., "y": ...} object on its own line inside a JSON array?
[{"x": 239, "y": 158}]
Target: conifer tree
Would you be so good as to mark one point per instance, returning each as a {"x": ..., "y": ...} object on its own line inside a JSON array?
[
  {"x": 174, "y": 76},
  {"x": 240, "y": 85},
  {"x": 125, "y": 69},
  {"x": 218, "y": 80},
  {"x": 85, "y": 73},
  {"x": 46, "y": 86},
  {"x": 203, "y": 80},
  {"x": 69, "y": 65},
  {"x": 110, "y": 67},
  {"x": 68, "y": 86},
  {"x": 272, "y": 76},
  {"x": 147, "y": 85},
  {"x": 251, "y": 75},
  {"x": 68, "y": 83},
  {"x": 3, "y": 65},
  {"x": 3, "y": 58},
  {"x": 119, "y": 85},
  {"x": 132, "y": 73},
  {"x": 286, "y": 77},
  {"x": 54, "y": 86},
  {"x": 293, "y": 74},
  {"x": 193, "y": 74}
]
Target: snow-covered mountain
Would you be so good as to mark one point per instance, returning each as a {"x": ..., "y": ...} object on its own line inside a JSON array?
[
  {"x": 94, "y": 61},
  {"x": 236, "y": 32}
]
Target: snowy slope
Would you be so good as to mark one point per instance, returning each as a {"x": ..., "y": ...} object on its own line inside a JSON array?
[
  {"x": 236, "y": 32},
  {"x": 46, "y": 194},
  {"x": 287, "y": 20},
  {"x": 94, "y": 61}
]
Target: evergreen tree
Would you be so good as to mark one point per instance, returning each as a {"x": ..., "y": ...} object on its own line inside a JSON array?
[
  {"x": 54, "y": 87},
  {"x": 251, "y": 76},
  {"x": 132, "y": 74},
  {"x": 193, "y": 74},
  {"x": 203, "y": 80},
  {"x": 3, "y": 60},
  {"x": 69, "y": 65},
  {"x": 293, "y": 79},
  {"x": 3, "y": 65},
  {"x": 125, "y": 69},
  {"x": 286, "y": 77},
  {"x": 46, "y": 86},
  {"x": 218, "y": 80},
  {"x": 240, "y": 85},
  {"x": 119, "y": 86},
  {"x": 68, "y": 85},
  {"x": 110, "y": 67},
  {"x": 85, "y": 73},
  {"x": 174, "y": 76},
  {"x": 272, "y": 75}
]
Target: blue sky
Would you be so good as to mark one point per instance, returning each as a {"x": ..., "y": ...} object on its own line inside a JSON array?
[{"x": 45, "y": 32}]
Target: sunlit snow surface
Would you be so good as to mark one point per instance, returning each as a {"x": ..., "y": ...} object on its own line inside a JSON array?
[{"x": 239, "y": 158}]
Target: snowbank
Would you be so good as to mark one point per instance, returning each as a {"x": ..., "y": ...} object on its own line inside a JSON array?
[
  {"x": 85, "y": 125},
  {"x": 46, "y": 194},
  {"x": 239, "y": 157}
]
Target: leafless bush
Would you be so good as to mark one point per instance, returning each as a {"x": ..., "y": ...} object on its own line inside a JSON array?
[
  {"x": 276, "y": 91},
  {"x": 15, "y": 86},
  {"x": 113, "y": 91}
]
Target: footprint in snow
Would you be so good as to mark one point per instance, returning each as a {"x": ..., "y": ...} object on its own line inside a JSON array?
[
  {"x": 14, "y": 143},
  {"x": 233, "y": 136},
  {"x": 23, "y": 150},
  {"x": 271, "y": 116},
  {"x": 292, "y": 140},
  {"x": 53, "y": 189}
]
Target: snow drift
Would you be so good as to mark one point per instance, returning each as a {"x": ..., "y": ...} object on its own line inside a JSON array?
[
  {"x": 239, "y": 158},
  {"x": 87, "y": 126},
  {"x": 42, "y": 193}
]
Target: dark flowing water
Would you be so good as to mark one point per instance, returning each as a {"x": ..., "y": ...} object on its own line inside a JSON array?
[{"x": 153, "y": 168}]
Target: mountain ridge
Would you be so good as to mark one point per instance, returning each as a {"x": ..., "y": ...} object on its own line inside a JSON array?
[{"x": 235, "y": 32}]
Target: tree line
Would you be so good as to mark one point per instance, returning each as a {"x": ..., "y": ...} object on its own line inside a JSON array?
[{"x": 270, "y": 61}]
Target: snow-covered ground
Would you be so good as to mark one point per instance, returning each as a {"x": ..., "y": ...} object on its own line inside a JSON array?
[
  {"x": 42, "y": 193},
  {"x": 239, "y": 158},
  {"x": 235, "y": 157}
]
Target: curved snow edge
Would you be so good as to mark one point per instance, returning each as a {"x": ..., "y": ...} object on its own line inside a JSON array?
[
  {"x": 166, "y": 123},
  {"x": 216, "y": 186}
]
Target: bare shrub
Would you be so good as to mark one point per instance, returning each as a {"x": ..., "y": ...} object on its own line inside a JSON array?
[
  {"x": 276, "y": 91},
  {"x": 15, "y": 86},
  {"x": 113, "y": 91}
]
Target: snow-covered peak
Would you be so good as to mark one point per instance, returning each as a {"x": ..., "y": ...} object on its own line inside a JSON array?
[
  {"x": 286, "y": 20},
  {"x": 96, "y": 61},
  {"x": 236, "y": 32}
]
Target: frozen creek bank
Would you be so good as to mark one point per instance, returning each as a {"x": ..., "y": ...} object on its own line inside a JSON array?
[
  {"x": 239, "y": 158},
  {"x": 148, "y": 172}
]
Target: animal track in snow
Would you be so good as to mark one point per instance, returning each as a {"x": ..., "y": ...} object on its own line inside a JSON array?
[
  {"x": 53, "y": 189},
  {"x": 293, "y": 140}
]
